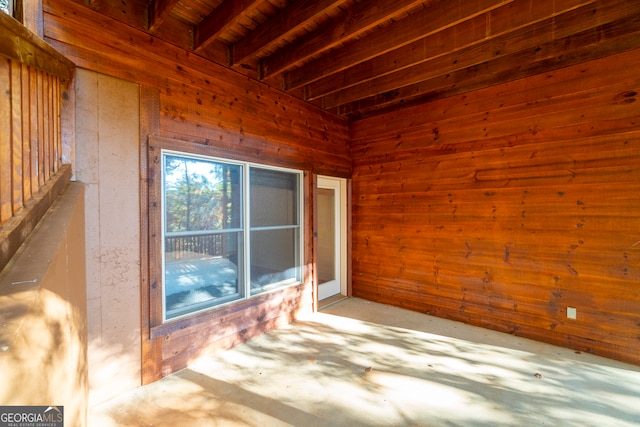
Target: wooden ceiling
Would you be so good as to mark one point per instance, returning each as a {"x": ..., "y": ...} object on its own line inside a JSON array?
[{"x": 358, "y": 58}]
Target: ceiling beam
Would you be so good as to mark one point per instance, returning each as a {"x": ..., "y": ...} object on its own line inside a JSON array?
[
  {"x": 434, "y": 18},
  {"x": 361, "y": 18},
  {"x": 603, "y": 40},
  {"x": 221, "y": 18},
  {"x": 529, "y": 37},
  {"x": 441, "y": 50},
  {"x": 158, "y": 12},
  {"x": 433, "y": 46},
  {"x": 292, "y": 18}
]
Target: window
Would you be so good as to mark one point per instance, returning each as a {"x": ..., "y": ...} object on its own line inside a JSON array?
[
  {"x": 231, "y": 230},
  {"x": 6, "y": 6}
]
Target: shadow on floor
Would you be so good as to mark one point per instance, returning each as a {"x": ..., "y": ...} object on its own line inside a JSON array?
[{"x": 364, "y": 364}]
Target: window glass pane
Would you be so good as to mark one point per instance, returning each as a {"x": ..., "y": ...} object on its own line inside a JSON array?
[
  {"x": 274, "y": 259},
  {"x": 203, "y": 239},
  {"x": 204, "y": 236},
  {"x": 201, "y": 195},
  {"x": 5, "y": 6},
  {"x": 326, "y": 249},
  {"x": 274, "y": 198},
  {"x": 201, "y": 271}
]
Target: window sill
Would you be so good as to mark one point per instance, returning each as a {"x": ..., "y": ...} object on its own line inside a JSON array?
[{"x": 233, "y": 313}]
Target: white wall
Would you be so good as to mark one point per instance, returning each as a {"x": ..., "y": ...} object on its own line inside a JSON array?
[{"x": 107, "y": 162}]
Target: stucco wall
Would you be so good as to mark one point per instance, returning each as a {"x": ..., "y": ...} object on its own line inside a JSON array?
[{"x": 107, "y": 162}]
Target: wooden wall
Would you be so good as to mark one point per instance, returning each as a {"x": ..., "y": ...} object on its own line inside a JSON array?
[
  {"x": 190, "y": 103},
  {"x": 201, "y": 101},
  {"x": 504, "y": 206},
  {"x": 499, "y": 207}
]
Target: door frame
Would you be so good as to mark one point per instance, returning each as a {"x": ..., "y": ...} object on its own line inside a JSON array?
[{"x": 343, "y": 204}]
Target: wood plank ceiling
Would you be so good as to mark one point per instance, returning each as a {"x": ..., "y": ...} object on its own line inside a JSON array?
[{"x": 358, "y": 58}]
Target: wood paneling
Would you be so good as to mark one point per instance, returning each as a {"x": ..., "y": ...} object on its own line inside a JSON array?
[
  {"x": 507, "y": 43},
  {"x": 499, "y": 206},
  {"x": 201, "y": 100},
  {"x": 504, "y": 206},
  {"x": 361, "y": 18},
  {"x": 191, "y": 104},
  {"x": 363, "y": 58}
]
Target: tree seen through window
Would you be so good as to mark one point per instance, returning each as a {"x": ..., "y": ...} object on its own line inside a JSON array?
[{"x": 200, "y": 196}]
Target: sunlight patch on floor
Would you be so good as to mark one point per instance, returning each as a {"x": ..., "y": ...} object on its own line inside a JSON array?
[
  {"x": 340, "y": 370},
  {"x": 415, "y": 395}
]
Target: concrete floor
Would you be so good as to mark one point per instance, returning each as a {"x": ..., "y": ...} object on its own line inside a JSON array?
[{"x": 358, "y": 363}]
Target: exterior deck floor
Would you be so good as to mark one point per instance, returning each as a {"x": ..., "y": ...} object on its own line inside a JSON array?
[{"x": 358, "y": 363}]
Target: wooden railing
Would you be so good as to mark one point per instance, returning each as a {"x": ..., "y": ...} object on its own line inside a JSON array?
[
  {"x": 209, "y": 244},
  {"x": 32, "y": 82}
]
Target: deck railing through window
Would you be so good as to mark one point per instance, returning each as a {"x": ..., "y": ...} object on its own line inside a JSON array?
[{"x": 209, "y": 244}]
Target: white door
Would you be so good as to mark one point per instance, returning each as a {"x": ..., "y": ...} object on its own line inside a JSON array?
[{"x": 332, "y": 237}]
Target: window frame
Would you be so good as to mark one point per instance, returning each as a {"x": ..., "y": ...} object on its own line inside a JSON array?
[{"x": 246, "y": 293}]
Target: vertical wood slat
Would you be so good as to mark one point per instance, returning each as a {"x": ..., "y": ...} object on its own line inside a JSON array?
[
  {"x": 41, "y": 126},
  {"x": 31, "y": 173},
  {"x": 5, "y": 140},
  {"x": 30, "y": 133},
  {"x": 56, "y": 99},
  {"x": 46, "y": 102},
  {"x": 16, "y": 137},
  {"x": 53, "y": 120},
  {"x": 34, "y": 131},
  {"x": 26, "y": 133},
  {"x": 151, "y": 368},
  {"x": 311, "y": 223},
  {"x": 53, "y": 141},
  {"x": 43, "y": 119}
]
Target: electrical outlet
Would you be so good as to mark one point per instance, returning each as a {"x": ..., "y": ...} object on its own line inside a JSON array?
[{"x": 572, "y": 313}]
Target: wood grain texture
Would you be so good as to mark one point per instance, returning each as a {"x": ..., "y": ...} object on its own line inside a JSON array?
[
  {"x": 504, "y": 206},
  {"x": 16, "y": 136},
  {"x": 539, "y": 42},
  {"x": 360, "y": 19},
  {"x": 201, "y": 100},
  {"x": 151, "y": 348},
  {"x": 30, "y": 143},
  {"x": 359, "y": 59},
  {"x": 168, "y": 347},
  {"x": 225, "y": 115},
  {"x": 288, "y": 20},
  {"x": 499, "y": 206},
  {"x": 19, "y": 44},
  {"x": 437, "y": 17},
  {"x": 6, "y": 184},
  {"x": 14, "y": 231}
]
